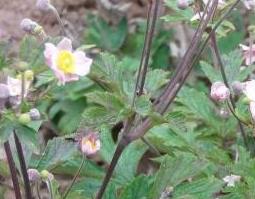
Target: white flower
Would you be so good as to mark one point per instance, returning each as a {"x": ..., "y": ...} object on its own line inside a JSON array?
[
  {"x": 249, "y": 90},
  {"x": 231, "y": 180}
]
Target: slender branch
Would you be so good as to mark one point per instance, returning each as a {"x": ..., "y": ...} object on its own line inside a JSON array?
[
  {"x": 143, "y": 54},
  {"x": 13, "y": 171},
  {"x": 219, "y": 62},
  {"x": 75, "y": 178},
  {"x": 154, "y": 16},
  {"x": 38, "y": 190},
  {"x": 23, "y": 167}
]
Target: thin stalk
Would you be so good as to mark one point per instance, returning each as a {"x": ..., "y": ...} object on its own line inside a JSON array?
[
  {"x": 13, "y": 171},
  {"x": 75, "y": 178},
  {"x": 143, "y": 53},
  {"x": 219, "y": 61},
  {"x": 23, "y": 167},
  {"x": 155, "y": 10},
  {"x": 152, "y": 148},
  {"x": 38, "y": 190},
  {"x": 49, "y": 186}
]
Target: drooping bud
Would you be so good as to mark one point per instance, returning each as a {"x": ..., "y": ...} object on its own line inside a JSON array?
[
  {"x": 219, "y": 92},
  {"x": 33, "y": 28},
  {"x": 90, "y": 144},
  {"x": 183, "y": 4},
  {"x": 34, "y": 114},
  {"x": 24, "y": 118},
  {"x": 238, "y": 87},
  {"x": 46, "y": 175},
  {"x": 33, "y": 175},
  {"x": 44, "y": 5}
]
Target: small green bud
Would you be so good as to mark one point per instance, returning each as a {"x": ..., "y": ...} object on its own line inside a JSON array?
[
  {"x": 246, "y": 100},
  {"x": 29, "y": 75},
  {"x": 46, "y": 175},
  {"x": 24, "y": 118}
]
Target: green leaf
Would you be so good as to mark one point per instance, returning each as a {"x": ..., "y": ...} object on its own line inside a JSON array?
[
  {"x": 199, "y": 189},
  {"x": 211, "y": 73},
  {"x": 106, "y": 36},
  {"x": 175, "y": 170},
  {"x": 138, "y": 188},
  {"x": 56, "y": 152},
  {"x": 143, "y": 105}
]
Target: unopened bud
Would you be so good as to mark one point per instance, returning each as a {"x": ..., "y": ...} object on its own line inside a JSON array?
[
  {"x": 22, "y": 66},
  {"x": 90, "y": 144},
  {"x": 34, "y": 114},
  {"x": 29, "y": 75},
  {"x": 33, "y": 28},
  {"x": 46, "y": 175},
  {"x": 44, "y": 5},
  {"x": 238, "y": 87},
  {"x": 183, "y": 4},
  {"x": 33, "y": 175},
  {"x": 24, "y": 118},
  {"x": 4, "y": 91},
  {"x": 219, "y": 92}
]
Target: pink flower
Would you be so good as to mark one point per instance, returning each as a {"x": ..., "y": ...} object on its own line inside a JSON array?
[
  {"x": 33, "y": 175},
  {"x": 249, "y": 4},
  {"x": 90, "y": 144},
  {"x": 248, "y": 54},
  {"x": 249, "y": 90},
  {"x": 219, "y": 92},
  {"x": 67, "y": 65}
]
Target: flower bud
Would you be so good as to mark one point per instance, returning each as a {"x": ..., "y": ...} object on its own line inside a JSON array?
[
  {"x": 24, "y": 118},
  {"x": 46, "y": 175},
  {"x": 33, "y": 28},
  {"x": 33, "y": 175},
  {"x": 183, "y": 4},
  {"x": 43, "y": 5},
  {"x": 34, "y": 114},
  {"x": 22, "y": 65},
  {"x": 4, "y": 91},
  {"x": 29, "y": 75},
  {"x": 238, "y": 87},
  {"x": 90, "y": 144},
  {"x": 219, "y": 92}
]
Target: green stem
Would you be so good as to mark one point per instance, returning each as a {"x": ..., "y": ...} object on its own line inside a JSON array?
[{"x": 75, "y": 178}]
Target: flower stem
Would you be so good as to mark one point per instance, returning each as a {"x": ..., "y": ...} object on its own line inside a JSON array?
[
  {"x": 75, "y": 177},
  {"x": 13, "y": 171},
  {"x": 23, "y": 167}
]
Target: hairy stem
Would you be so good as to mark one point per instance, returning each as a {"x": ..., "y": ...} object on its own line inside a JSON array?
[
  {"x": 219, "y": 62},
  {"x": 13, "y": 171},
  {"x": 23, "y": 167},
  {"x": 75, "y": 178}
]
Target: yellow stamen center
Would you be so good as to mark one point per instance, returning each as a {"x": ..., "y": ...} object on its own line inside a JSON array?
[
  {"x": 90, "y": 143},
  {"x": 66, "y": 61}
]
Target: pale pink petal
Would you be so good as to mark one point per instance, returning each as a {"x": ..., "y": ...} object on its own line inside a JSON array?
[
  {"x": 71, "y": 77},
  {"x": 50, "y": 54},
  {"x": 83, "y": 63},
  {"x": 60, "y": 76},
  {"x": 65, "y": 44},
  {"x": 252, "y": 110}
]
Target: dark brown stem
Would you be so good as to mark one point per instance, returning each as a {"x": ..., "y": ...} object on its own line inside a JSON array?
[
  {"x": 154, "y": 16},
  {"x": 13, "y": 171},
  {"x": 23, "y": 167},
  {"x": 120, "y": 148}
]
